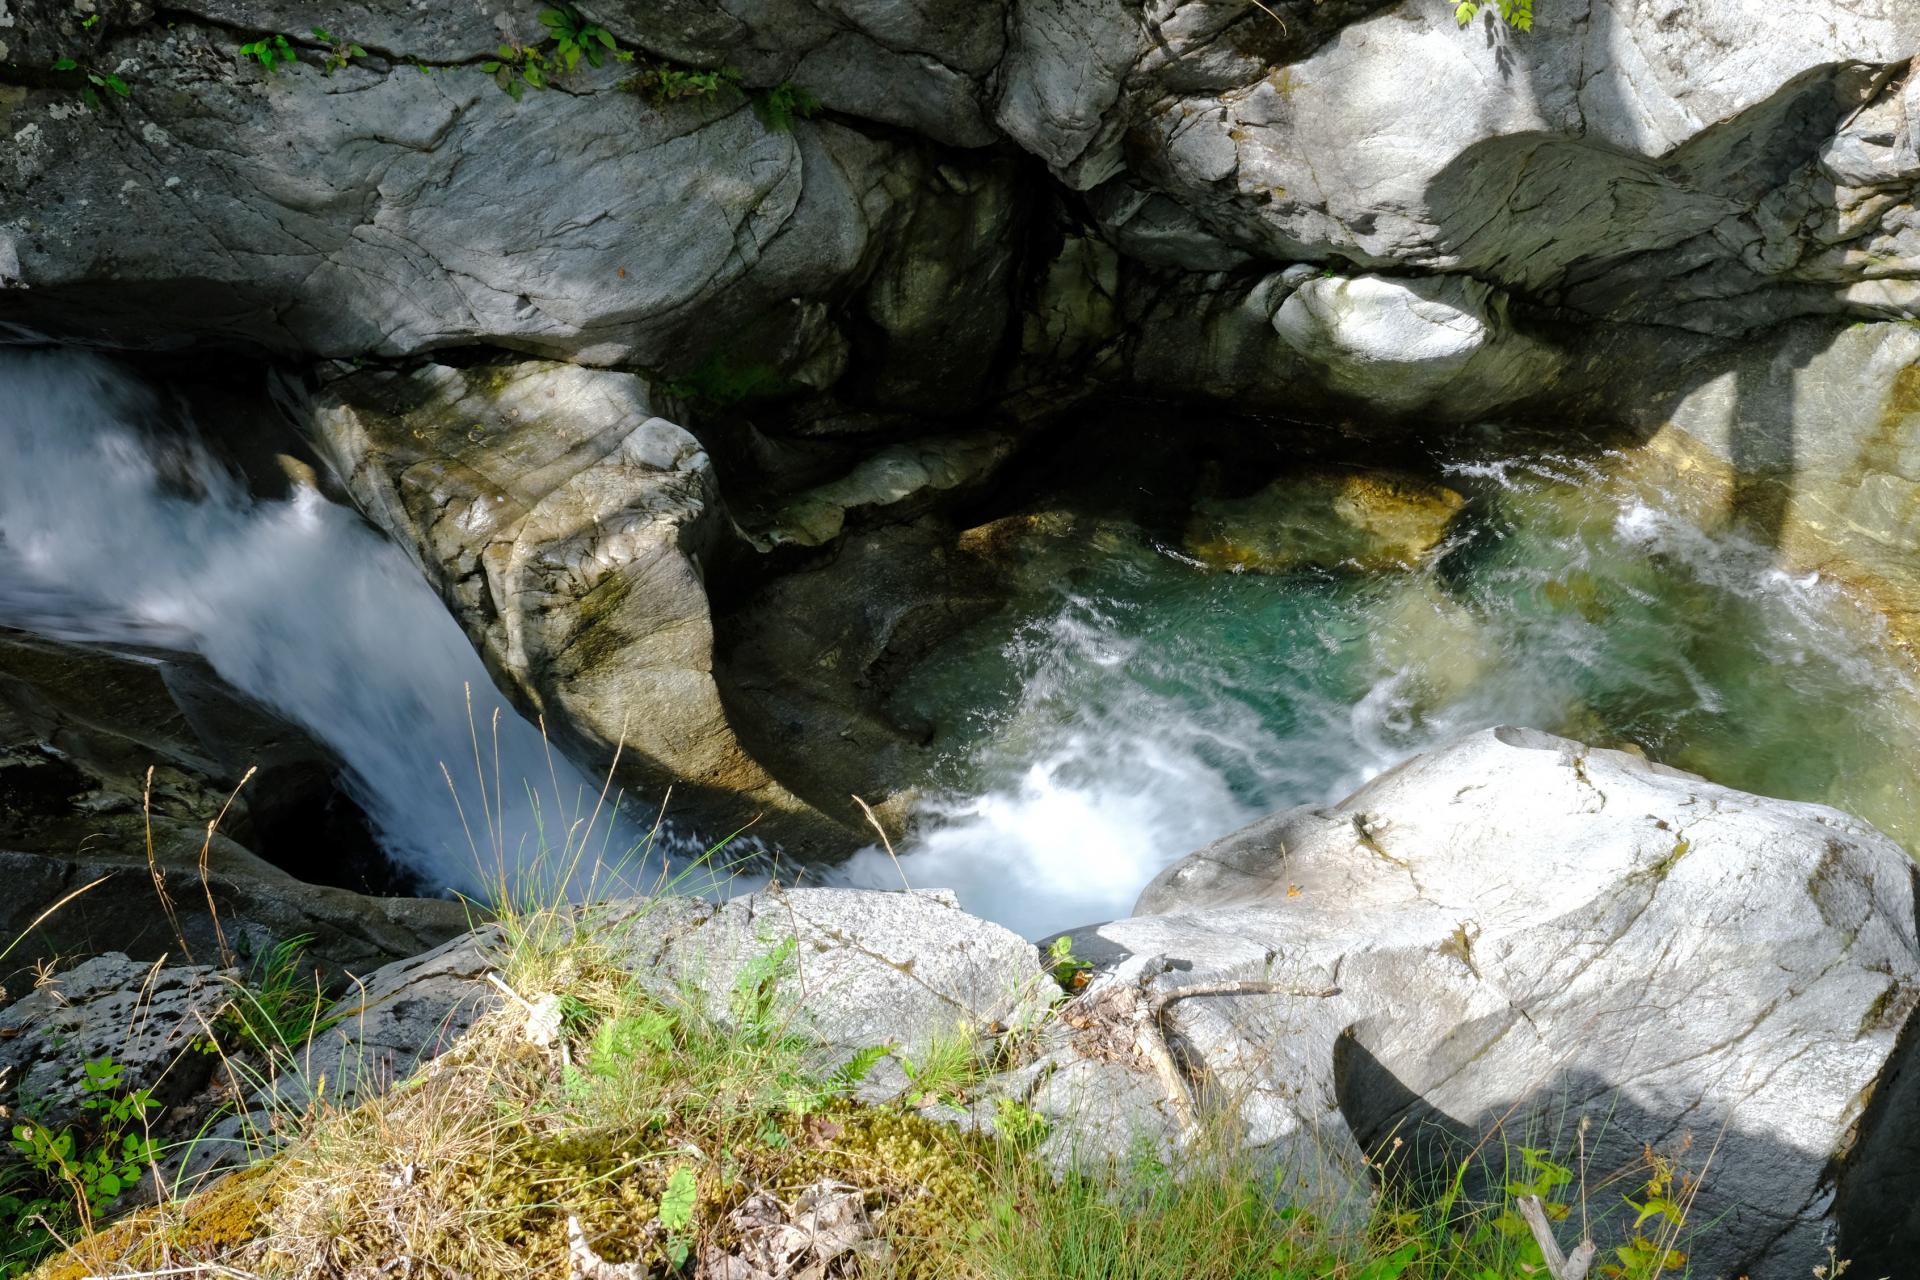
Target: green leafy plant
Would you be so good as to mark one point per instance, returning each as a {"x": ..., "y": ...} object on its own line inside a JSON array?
[
  {"x": 1659, "y": 1216},
  {"x": 1069, "y": 970},
  {"x": 339, "y": 52},
  {"x": 1517, "y": 14},
  {"x": 1017, "y": 1123},
  {"x": 271, "y": 52},
  {"x": 676, "y": 1213},
  {"x": 515, "y": 67},
  {"x": 68, "y": 1176},
  {"x": 782, "y": 104},
  {"x": 574, "y": 38},
  {"x": 664, "y": 82},
  {"x": 96, "y": 81}
]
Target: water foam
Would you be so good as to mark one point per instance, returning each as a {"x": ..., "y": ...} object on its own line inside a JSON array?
[
  {"x": 111, "y": 533},
  {"x": 1160, "y": 708}
]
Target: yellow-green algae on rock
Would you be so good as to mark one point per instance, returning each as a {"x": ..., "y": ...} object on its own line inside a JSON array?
[{"x": 1330, "y": 519}]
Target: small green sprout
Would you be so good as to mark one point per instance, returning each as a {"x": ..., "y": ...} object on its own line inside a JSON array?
[{"x": 271, "y": 52}]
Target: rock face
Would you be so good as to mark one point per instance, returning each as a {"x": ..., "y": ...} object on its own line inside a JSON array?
[
  {"x": 567, "y": 526},
  {"x": 1527, "y": 934},
  {"x": 1514, "y": 940},
  {"x": 1718, "y": 171}
]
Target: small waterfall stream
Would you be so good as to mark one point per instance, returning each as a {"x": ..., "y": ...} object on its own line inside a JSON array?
[
  {"x": 1132, "y": 706},
  {"x": 112, "y": 533}
]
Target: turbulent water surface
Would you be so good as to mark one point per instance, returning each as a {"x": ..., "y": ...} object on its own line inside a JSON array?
[
  {"x": 1130, "y": 706},
  {"x": 1135, "y": 705},
  {"x": 118, "y": 526}
]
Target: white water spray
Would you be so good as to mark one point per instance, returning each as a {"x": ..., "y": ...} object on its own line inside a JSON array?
[
  {"x": 108, "y": 534},
  {"x": 1160, "y": 708}
]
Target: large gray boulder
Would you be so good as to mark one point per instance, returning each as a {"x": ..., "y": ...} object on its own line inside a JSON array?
[
  {"x": 1529, "y": 935},
  {"x": 403, "y": 202}
]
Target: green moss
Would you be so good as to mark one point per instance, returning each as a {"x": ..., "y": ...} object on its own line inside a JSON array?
[{"x": 723, "y": 379}]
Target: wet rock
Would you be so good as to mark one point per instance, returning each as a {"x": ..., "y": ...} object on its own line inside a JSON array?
[
  {"x": 811, "y": 657},
  {"x": 1362, "y": 520},
  {"x": 898, "y": 482},
  {"x": 1808, "y": 446},
  {"x": 567, "y": 527}
]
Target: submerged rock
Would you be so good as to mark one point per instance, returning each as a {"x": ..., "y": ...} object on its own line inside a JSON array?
[{"x": 1364, "y": 520}]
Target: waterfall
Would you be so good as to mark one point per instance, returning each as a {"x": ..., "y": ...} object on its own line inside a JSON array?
[{"x": 113, "y": 532}]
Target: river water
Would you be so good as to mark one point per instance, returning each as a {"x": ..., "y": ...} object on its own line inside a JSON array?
[
  {"x": 1129, "y": 705},
  {"x": 1134, "y": 705},
  {"x": 118, "y": 526}
]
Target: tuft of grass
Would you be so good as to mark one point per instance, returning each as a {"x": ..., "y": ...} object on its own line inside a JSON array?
[{"x": 278, "y": 1006}]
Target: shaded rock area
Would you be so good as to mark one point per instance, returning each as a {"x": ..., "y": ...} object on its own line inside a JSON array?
[{"x": 567, "y": 526}]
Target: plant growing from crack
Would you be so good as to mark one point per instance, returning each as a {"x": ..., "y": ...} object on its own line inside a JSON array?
[
  {"x": 96, "y": 81},
  {"x": 574, "y": 38},
  {"x": 516, "y": 67},
  {"x": 271, "y": 51},
  {"x": 785, "y": 102},
  {"x": 664, "y": 82},
  {"x": 1517, "y": 14},
  {"x": 339, "y": 52}
]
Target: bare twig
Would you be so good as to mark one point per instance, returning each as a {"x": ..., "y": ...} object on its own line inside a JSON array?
[
  {"x": 1160, "y": 1054},
  {"x": 1559, "y": 1265}
]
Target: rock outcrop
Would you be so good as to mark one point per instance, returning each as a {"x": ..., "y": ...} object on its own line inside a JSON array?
[
  {"x": 567, "y": 527},
  {"x": 1511, "y": 941},
  {"x": 1530, "y": 936},
  {"x": 1717, "y": 173}
]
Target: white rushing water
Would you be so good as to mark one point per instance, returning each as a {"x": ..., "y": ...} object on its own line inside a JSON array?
[
  {"x": 112, "y": 533},
  {"x": 1131, "y": 707},
  {"x": 1108, "y": 727}
]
